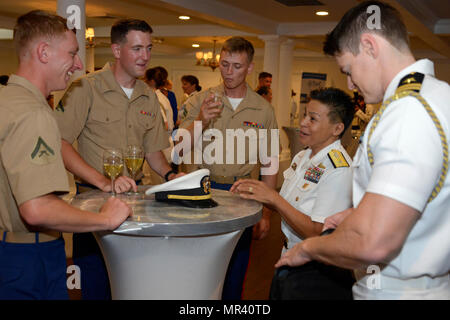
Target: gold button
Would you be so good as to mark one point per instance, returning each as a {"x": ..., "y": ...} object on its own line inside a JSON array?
[{"x": 296, "y": 199}]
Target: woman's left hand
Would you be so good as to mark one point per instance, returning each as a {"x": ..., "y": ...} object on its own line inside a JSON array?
[{"x": 255, "y": 190}]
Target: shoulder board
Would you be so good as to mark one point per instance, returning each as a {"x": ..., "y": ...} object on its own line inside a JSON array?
[
  {"x": 411, "y": 82},
  {"x": 338, "y": 159}
]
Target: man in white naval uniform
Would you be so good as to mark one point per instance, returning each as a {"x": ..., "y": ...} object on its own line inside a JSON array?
[{"x": 399, "y": 226}]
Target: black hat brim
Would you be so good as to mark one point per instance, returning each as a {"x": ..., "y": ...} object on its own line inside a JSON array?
[{"x": 207, "y": 203}]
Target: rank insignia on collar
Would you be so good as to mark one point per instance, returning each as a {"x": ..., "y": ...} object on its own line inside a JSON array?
[
  {"x": 42, "y": 153},
  {"x": 313, "y": 174}
]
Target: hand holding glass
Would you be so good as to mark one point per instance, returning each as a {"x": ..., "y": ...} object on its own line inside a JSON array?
[
  {"x": 113, "y": 165},
  {"x": 134, "y": 158}
]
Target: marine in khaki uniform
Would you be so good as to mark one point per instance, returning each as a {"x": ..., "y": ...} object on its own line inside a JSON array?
[
  {"x": 253, "y": 115},
  {"x": 32, "y": 170},
  {"x": 242, "y": 109},
  {"x": 96, "y": 112},
  {"x": 111, "y": 108}
]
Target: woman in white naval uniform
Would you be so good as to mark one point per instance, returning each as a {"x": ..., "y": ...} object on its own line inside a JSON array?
[{"x": 317, "y": 184}]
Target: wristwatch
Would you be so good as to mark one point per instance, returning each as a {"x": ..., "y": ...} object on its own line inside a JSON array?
[{"x": 166, "y": 176}]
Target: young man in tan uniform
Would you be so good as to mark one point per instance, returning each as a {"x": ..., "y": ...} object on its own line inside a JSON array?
[
  {"x": 32, "y": 263},
  {"x": 245, "y": 112},
  {"x": 111, "y": 108}
]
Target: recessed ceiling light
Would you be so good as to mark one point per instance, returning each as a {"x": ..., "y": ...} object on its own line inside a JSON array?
[
  {"x": 184, "y": 17},
  {"x": 195, "y": 45},
  {"x": 322, "y": 13}
]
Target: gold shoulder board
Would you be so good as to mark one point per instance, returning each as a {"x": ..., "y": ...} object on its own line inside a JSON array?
[{"x": 338, "y": 159}]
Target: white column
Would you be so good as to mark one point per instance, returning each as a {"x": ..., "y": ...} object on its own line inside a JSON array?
[
  {"x": 90, "y": 65},
  {"x": 278, "y": 58},
  {"x": 284, "y": 93},
  {"x": 271, "y": 62}
]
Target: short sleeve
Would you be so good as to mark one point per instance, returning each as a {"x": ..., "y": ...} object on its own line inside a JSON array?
[
  {"x": 72, "y": 110},
  {"x": 408, "y": 155},
  {"x": 192, "y": 109},
  {"x": 31, "y": 155},
  {"x": 157, "y": 138}
]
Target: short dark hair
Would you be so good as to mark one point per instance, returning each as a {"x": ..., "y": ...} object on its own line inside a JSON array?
[
  {"x": 35, "y": 24},
  {"x": 158, "y": 74},
  {"x": 239, "y": 44},
  {"x": 338, "y": 102},
  {"x": 346, "y": 35},
  {"x": 192, "y": 80},
  {"x": 264, "y": 90},
  {"x": 264, "y": 74},
  {"x": 121, "y": 28}
]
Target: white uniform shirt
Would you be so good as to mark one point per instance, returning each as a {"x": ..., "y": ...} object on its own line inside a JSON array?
[
  {"x": 315, "y": 187},
  {"x": 407, "y": 163}
]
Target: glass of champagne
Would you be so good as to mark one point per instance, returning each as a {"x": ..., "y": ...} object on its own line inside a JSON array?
[
  {"x": 134, "y": 158},
  {"x": 218, "y": 97},
  {"x": 113, "y": 165}
]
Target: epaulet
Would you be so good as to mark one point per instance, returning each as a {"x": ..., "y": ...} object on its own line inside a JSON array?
[
  {"x": 337, "y": 159},
  {"x": 411, "y": 82}
]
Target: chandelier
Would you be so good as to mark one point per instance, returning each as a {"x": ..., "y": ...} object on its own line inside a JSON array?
[{"x": 208, "y": 59}]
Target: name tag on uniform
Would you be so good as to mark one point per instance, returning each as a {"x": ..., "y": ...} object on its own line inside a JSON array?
[{"x": 313, "y": 174}]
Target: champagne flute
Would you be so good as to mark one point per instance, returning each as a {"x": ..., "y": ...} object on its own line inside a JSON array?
[
  {"x": 113, "y": 165},
  {"x": 218, "y": 97},
  {"x": 134, "y": 158}
]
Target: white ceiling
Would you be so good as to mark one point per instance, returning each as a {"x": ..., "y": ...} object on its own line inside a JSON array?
[{"x": 427, "y": 20}]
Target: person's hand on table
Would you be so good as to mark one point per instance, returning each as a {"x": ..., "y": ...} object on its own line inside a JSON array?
[
  {"x": 121, "y": 184},
  {"x": 255, "y": 190},
  {"x": 115, "y": 211}
]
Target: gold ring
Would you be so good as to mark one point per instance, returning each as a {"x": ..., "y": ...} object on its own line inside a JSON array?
[{"x": 250, "y": 189}]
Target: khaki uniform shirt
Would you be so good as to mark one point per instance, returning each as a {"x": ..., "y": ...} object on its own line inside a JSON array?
[
  {"x": 252, "y": 116},
  {"x": 30, "y": 149},
  {"x": 97, "y": 112}
]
